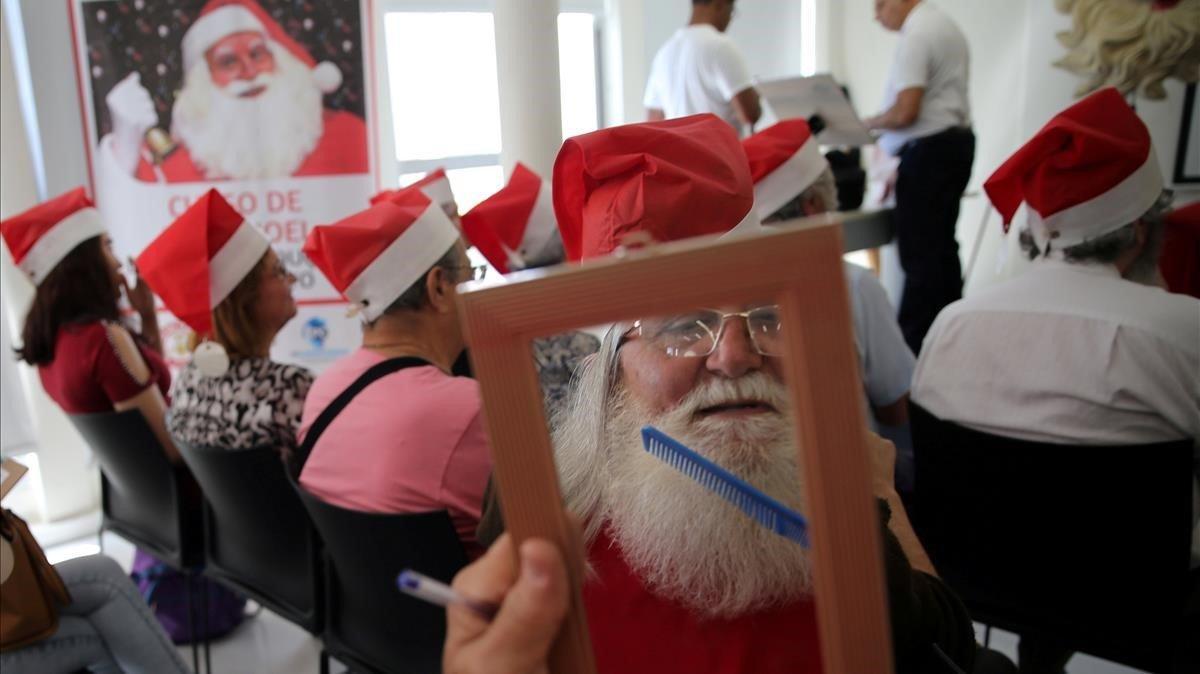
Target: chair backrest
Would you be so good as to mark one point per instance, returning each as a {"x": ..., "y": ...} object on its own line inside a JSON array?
[
  {"x": 1088, "y": 544},
  {"x": 258, "y": 536},
  {"x": 145, "y": 498},
  {"x": 369, "y": 623}
]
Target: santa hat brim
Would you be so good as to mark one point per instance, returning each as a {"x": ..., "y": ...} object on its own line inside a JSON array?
[
  {"x": 789, "y": 179},
  {"x": 50, "y": 249}
]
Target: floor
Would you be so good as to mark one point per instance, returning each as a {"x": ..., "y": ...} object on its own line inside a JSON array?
[{"x": 268, "y": 644}]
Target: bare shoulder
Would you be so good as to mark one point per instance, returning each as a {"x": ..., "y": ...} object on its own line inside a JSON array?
[{"x": 127, "y": 352}]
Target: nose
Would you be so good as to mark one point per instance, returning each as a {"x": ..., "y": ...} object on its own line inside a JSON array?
[{"x": 734, "y": 354}]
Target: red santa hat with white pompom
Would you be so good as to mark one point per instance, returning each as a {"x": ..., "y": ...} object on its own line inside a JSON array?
[{"x": 221, "y": 18}]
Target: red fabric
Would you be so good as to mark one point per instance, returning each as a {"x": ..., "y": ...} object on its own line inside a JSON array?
[
  {"x": 501, "y": 219},
  {"x": 769, "y": 148},
  {"x": 341, "y": 149},
  {"x": 176, "y": 263},
  {"x": 1180, "y": 260},
  {"x": 437, "y": 175},
  {"x": 1081, "y": 153},
  {"x": 87, "y": 377},
  {"x": 634, "y": 631},
  {"x": 674, "y": 180},
  {"x": 22, "y": 231},
  {"x": 344, "y": 249}
]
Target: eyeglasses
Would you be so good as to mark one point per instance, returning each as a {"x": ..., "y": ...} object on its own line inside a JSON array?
[
  {"x": 477, "y": 271},
  {"x": 696, "y": 334}
]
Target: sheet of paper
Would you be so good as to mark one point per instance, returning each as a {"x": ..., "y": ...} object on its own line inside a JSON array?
[{"x": 820, "y": 94}]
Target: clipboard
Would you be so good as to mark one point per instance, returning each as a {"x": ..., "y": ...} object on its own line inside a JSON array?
[{"x": 804, "y": 97}]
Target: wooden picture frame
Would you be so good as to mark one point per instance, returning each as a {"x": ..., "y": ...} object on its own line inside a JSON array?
[{"x": 801, "y": 267}]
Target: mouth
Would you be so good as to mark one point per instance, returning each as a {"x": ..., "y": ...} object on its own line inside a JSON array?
[
  {"x": 253, "y": 91},
  {"x": 736, "y": 408}
]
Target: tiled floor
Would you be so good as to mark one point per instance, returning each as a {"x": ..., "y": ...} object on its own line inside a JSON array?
[{"x": 268, "y": 644}]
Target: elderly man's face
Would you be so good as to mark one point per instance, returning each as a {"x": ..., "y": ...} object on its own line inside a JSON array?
[
  {"x": 241, "y": 56},
  {"x": 659, "y": 381}
]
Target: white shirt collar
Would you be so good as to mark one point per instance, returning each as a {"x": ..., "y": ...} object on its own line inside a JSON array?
[{"x": 920, "y": 6}]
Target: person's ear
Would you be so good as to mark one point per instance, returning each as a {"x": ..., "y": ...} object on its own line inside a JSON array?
[
  {"x": 810, "y": 206},
  {"x": 1141, "y": 232},
  {"x": 438, "y": 287}
]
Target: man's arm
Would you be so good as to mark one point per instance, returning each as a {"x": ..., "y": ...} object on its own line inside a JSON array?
[
  {"x": 655, "y": 115},
  {"x": 747, "y": 106},
  {"x": 902, "y": 114}
]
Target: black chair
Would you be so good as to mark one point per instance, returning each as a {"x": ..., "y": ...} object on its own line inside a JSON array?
[
  {"x": 146, "y": 499},
  {"x": 259, "y": 540},
  {"x": 1087, "y": 547},
  {"x": 369, "y": 624}
]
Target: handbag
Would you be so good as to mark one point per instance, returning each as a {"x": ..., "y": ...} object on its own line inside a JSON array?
[{"x": 31, "y": 591}]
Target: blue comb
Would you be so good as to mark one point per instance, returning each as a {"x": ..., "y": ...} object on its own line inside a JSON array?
[{"x": 765, "y": 510}]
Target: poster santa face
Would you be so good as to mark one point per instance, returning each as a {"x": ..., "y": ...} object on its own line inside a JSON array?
[{"x": 265, "y": 100}]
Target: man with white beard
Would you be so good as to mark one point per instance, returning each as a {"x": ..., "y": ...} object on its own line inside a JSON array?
[
  {"x": 681, "y": 580},
  {"x": 251, "y": 107}
]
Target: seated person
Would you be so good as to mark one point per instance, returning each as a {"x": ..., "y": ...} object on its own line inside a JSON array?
[
  {"x": 515, "y": 229},
  {"x": 681, "y": 581},
  {"x": 89, "y": 361},
  {"x": 252, "y": 401},
  {"x": 413, "y": 441},
  {"x": 793, "y": 180},
  {"x": 106, "y": 627},
  {"x": 1084, "y": 347}
]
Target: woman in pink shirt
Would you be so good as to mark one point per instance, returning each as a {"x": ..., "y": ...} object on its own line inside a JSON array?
[{"x": 413, "y": 439}]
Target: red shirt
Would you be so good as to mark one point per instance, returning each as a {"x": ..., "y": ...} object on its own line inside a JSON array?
[
  {"x": 1180, "y": 260},
  {"x": 342, "y": 149},
  {"x": 634, "y": 632},
  {"x": 87, "y": 376}
]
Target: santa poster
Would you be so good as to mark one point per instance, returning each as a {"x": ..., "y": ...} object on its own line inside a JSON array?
[{"x": 264, "y": 100}]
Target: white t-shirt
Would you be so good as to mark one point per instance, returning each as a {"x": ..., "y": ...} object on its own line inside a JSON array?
[
  {"x": 698, "y": 70},
  {"x": 932, "y": 54}
]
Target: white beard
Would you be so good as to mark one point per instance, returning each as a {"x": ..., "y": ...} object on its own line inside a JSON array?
[
  {"x": 686, "y": 543},
  {"x": 267, "y": 136}
]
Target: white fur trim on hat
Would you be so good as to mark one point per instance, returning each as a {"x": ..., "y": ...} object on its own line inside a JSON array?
[
  {"x": 439, "y": 191},
  {"x": 212, "y": 27},
  {"x": 60, "y": 240},
  {"x": 1108, "y": 212},
  {"x": 789, "y": 179},
  {"x": 404, "y": 261},
  {"x": 234, "y": 261},
  {"x": 541, "y": 226},
  {"x": 749, "y": 225}
]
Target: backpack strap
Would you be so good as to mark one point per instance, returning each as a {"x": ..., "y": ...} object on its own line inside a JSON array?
[{"x": 326, "y": 417}]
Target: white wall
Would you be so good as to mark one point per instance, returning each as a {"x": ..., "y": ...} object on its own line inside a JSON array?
[{"x": 1014, "y": 91}]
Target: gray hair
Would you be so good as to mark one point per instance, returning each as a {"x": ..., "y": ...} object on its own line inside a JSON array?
[
  {"x": 1107, "y": 248},
  {"x": 823, "y": 192},
  {"x": 416, "y": 295}
]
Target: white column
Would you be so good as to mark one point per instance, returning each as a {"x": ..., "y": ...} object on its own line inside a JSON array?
[{"x": 527, "y": 61}]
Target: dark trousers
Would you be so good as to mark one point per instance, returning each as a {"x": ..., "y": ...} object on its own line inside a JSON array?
[{"x": 932, "y": 176}]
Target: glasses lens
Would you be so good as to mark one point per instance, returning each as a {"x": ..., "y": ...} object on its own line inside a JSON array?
[
  {"x": 686, "y": 335},
  {"x": 766, "y": 329}
]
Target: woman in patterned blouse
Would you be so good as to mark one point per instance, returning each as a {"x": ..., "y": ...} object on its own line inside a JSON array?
[{"x": 257, "y": 401}]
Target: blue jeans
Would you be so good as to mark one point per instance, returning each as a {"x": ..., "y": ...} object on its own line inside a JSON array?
[{"x": 107, "y": 627}]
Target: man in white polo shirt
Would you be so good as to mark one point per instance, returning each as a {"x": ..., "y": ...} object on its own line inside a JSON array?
[
  {"x": 926, "y": 123},
  {"x": 700, "y": 70}
]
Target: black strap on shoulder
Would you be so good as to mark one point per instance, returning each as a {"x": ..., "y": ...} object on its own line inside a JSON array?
[{"x": 374, "y": 373}]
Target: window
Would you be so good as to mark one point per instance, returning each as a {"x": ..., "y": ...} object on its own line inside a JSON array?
[{"x": 445, "y": 99}]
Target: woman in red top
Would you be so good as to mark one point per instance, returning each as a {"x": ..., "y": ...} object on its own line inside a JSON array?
[{"x": 88, "y": 360}]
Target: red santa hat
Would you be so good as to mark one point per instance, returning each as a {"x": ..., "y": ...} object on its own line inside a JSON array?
[
  {"x": 514, "y": 224},
  {"x": 42, "y": 236},
  {"x": 373, "y": 256},
  {"x": 200, "y": 258},
  {"x": 672, "y": 180},
  {"x": 435, "y": 185},
  {"x": 784, "y": 161},
  {"x": 222, "y": 18},
  {"x": 1089, "y": 171}
]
